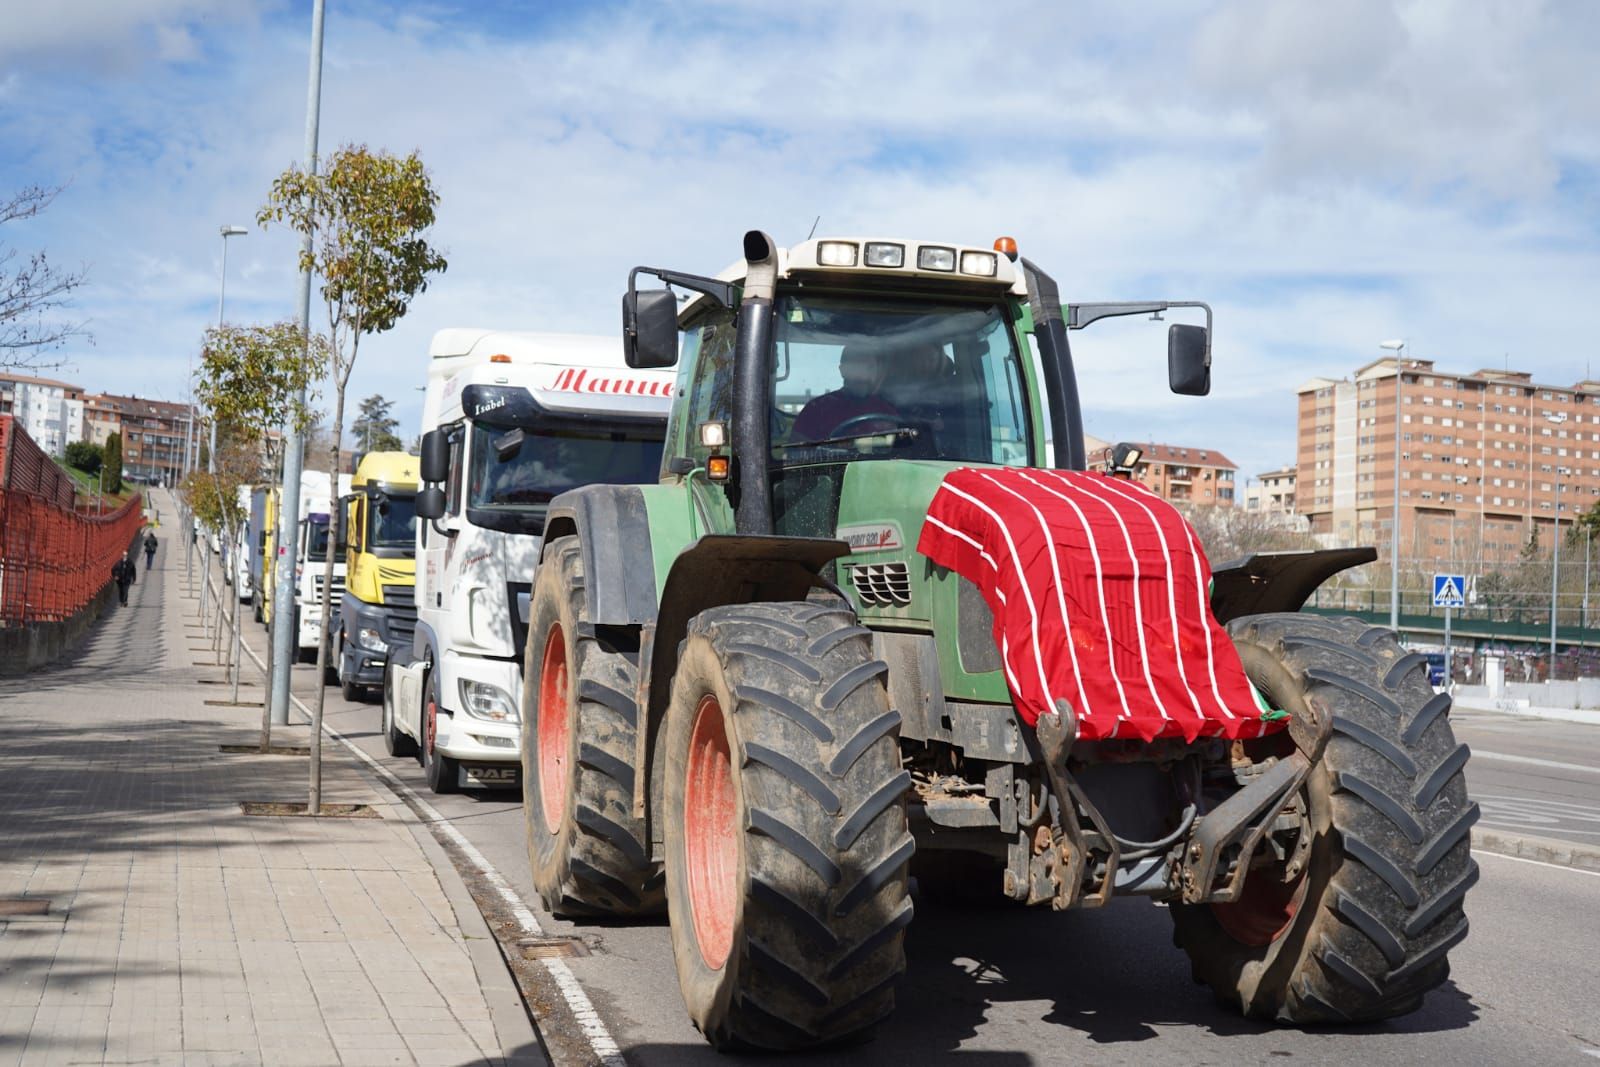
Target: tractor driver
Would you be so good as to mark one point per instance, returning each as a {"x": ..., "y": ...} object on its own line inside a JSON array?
[{"x": 849, "y": 409}]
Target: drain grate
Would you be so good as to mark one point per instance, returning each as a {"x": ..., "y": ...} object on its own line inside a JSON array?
[
  {"x": 551, "y": 948},
  {"x": 11, "y": 906},
  {"x": 275, "y": 750}
]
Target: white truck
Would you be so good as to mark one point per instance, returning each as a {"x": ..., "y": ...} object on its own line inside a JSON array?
[
  {"x": 311, "y": 541},
  {"x": 511, "y": 420}
]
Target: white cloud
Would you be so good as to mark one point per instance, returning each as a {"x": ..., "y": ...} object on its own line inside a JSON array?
[{"x": 1326, "y": 175}]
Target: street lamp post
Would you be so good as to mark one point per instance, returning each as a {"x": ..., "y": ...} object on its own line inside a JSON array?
[
  {"x": 1555, "y": 552},
  {"x": 222, "y": 296},
  {"x": 1397, "y": 347}
]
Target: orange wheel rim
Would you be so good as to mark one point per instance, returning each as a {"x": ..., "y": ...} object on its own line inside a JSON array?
[
  {"x": 711, "y": 847},
  {"x": 552, "y": 729}
]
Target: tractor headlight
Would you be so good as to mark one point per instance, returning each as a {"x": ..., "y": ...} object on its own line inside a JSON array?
[
  {"x": 837, "y": 253},
  {"x": 884, "y": 254},
  {"x": 982, "y": 264},
  {"x": 369, "y": 638},
  {"x": 484, "y": 701},
  {"x": 932, "y": 257}
]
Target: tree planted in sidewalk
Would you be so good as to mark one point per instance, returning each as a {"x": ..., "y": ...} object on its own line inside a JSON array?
[
  {"x": 366, "y": 216},
  {"x": 250, "y": 380}
]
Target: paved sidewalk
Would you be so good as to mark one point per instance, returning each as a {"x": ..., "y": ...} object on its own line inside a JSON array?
[{"x": 180, "y": 930}]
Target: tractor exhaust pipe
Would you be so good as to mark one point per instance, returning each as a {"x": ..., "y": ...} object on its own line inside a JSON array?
[{"x": 752, "y": 429}]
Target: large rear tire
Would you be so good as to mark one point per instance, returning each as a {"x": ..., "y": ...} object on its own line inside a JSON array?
[
  {"x": 1359, "y": 928},
  {"x": 785, "y": 818},
  {"x": 588, "y": 851}
]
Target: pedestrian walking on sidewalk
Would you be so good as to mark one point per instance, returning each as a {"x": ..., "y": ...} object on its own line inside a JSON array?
[
  {"x": 123, "y": 572},
  {"x": 149, "y": 549}
]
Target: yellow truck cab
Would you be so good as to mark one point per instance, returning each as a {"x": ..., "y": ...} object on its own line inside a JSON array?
[{"x": 378, "y": 533}]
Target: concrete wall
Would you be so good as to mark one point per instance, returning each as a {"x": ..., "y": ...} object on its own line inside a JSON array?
[{"x": 27, "y": 648}]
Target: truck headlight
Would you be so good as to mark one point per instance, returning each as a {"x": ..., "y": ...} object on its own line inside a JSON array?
[
  {"x": 484, "y": 701},
  {"x": 369, "y": 638}
]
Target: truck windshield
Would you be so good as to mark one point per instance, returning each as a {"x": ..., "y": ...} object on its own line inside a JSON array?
[
  {"x": 548, "y": 462},
  {"x": 886, "y": 378},
  {"x": 393, "y": 521}
]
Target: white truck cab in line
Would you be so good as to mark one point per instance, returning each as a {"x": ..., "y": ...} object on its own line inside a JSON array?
[{"x": 510, "y": 420}]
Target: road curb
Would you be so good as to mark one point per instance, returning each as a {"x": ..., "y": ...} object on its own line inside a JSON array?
[{"x": 1544, "y": 849}]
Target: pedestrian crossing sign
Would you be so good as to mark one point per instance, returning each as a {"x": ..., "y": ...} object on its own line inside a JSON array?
[{"x": 1449, "y": 590}]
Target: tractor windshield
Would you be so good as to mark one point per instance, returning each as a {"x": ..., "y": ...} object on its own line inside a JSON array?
[{"x": 870, "y": 377}]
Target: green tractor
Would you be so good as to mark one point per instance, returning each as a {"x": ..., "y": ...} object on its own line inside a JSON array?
[{"x": 750, "y": 700}]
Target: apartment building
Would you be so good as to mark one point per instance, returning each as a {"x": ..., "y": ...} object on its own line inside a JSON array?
[
  {"x": 1271, "y": 491},
  {"x": 153, "y": 434},
  {"x": 1483, "y": 458},
  {"x": 1176, "y": 472},
  {"x": 50, "y": 411}
]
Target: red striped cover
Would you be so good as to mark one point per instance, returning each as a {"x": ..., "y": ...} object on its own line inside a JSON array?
[{"x": 1110, "y": 563}]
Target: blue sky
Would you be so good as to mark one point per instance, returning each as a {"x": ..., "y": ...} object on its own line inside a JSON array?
[{"x": 1326, "y": 175}]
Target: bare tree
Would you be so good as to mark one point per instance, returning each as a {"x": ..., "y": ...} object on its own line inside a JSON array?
[{"x": 32, "y": 289}]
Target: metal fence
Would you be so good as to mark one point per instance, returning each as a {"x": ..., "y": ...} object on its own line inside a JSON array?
[{"x": 53, "y": 559}]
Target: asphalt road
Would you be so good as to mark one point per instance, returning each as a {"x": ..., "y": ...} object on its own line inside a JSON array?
[{"x": 1020, "y": 987}]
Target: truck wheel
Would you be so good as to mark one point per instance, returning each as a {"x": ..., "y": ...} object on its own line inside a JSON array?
[
  {"x": 394, "y": 742},
  {"x": 442, "y": 772},
  {"x": 1357, "y": 926},
  {"x": 588, "y": 851},
  {"x": 785, "y": 819}
]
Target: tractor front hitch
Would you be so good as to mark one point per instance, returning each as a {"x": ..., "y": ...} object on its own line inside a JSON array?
[{"x": 1057, "y": 873}]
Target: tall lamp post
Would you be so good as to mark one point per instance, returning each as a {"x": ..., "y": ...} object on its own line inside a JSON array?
[
  {"x": 222, "y": 296},
  {"x": 1397, "y": 347},
  {"x": 1555, "y": 557}
]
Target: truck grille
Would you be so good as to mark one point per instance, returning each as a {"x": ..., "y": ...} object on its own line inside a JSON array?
[
  {"x": 883, "y": 585},
  {"x": 401, "y": 600}
]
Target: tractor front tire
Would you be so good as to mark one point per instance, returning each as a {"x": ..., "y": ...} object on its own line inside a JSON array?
[
  {"x": 587, "y": 849},
  {"x": 1361, "y": 929},
  {"x": 785, "y": 823}
]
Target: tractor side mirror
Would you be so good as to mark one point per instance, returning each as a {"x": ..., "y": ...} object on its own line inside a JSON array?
[
  {"x": 434, "y": 464},
  {"x": 430, "y": 501},
  {"x": 650, "y": 328},
  {"x": 1189, "y": 359}
]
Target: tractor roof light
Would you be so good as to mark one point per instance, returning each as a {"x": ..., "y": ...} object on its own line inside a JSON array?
[
  {"x": 499, "y": 357},
  {"x": 1006, "y": 246},
  {"x": 1125, "y": 459},
  {"x": 837, "y": 253},
  {"x": 885, "y": 254},
  {"x": 982, "y": 264},
  {"x": 936, "y": 257}
]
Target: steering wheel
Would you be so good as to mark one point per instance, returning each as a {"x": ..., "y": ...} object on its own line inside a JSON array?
[{"x": 893, "y": 422}]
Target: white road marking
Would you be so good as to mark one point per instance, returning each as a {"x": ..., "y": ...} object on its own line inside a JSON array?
[
  {"x": 1536, "y": 863},
  {"x": 601, "y": 1043},
  {"x": 1506, "y": 757}
]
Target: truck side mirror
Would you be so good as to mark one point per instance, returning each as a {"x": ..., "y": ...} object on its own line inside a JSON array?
[
  {"x": 430, "y": 501},
  {"x": 649, "y": 328},
  {"x": 434, "y": 464},
  {"x": 1188, "y": 359}
]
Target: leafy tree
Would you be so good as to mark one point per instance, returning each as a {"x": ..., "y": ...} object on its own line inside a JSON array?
[
  {"x": 86, "y": 456},
  {"x": 374, "y": 427},
  {"x": 250, "y": 381},
  {"x": 31, "y": 290},
  {"x": 365, "y": 216},
  {"x": 113, "y": 463}
]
